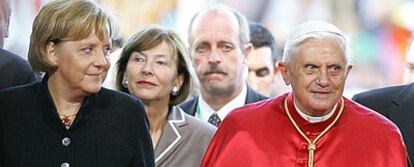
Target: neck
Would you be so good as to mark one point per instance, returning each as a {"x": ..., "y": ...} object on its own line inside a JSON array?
[
  {"x": 312, "y": 113},
  {"x": 67, "y": 102},
  {"x": 157, "y": 113},
  {"x": 217, "y": 101}
]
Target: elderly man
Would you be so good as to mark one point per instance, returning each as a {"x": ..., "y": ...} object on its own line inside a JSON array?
[
  {"x": 14, "y": 70},
  {"x": 262, "y": 60},
  {"x": 219, "y": 41},
  {"x": 314, "y": 125}
]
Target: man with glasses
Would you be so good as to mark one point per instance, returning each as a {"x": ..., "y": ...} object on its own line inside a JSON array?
[{"x": 262, "y": 60}]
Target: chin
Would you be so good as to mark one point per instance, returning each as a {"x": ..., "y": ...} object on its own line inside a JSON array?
[{"x": 92, "y": 89}]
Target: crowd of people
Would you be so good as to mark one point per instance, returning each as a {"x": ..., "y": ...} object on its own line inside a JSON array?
[{"x": 213, "y": 104}]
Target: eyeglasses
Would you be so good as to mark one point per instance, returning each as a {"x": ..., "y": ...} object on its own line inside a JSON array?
[{"x": 261, "y": 72}]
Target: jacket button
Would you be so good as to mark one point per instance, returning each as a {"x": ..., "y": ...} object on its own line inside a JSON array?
[
  {"x": 65, "y": 165},
  {"x": 66, "y": 141}
]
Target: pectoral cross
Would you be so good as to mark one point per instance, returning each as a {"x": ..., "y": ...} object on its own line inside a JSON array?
[{"x": 311, "y": 148}]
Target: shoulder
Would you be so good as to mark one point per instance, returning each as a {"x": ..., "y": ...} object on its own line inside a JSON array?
[
  {"x": 382, "y": 98},
  {"x": 189, "y": 106},
  {"x": 253, "y": 96},
  {"x": 368, "y": 117},
  {"x": 260, "y": 107},
  {"x": 379, "y": 93},
  {"x": 199, "y": 126},
  {"x": 11, "y": 60},
  {"x": 195, "y": 125},
  {"x": 21, "y": 92}
]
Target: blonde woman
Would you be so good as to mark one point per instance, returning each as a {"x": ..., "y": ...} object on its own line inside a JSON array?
[{"x": 67, "y": 119}]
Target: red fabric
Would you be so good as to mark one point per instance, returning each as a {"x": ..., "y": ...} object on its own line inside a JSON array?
[{"x": 262, "y": 135}]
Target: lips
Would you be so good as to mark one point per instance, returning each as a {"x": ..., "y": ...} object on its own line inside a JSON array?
[{"x": 146, "y": 83}]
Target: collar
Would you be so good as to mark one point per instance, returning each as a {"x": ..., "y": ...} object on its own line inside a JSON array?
[
  {"x": 50, "y": 114},
  {"x": 171, "y": 136},
  {"x": 204, "y": 110},
  {"x": 312, "y": 128},
  {"x": 313, "y": 119}
]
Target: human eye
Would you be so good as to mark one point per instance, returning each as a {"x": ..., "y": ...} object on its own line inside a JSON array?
[
  {"x": 139, "y": 58},
  {"x": 201, "y": 48},
  {"x": 334, "y": 68},
  {"x": 161, "y": 62},
  {"x": 87, "y": 50},
  {"x": 262, "y": 72},
  {"x": 227, "y": 47},
  {"x": 107, "y": 51},
  {"x": 310, "y": 67}
]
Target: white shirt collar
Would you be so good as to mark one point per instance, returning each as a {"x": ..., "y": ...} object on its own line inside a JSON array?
[
  {"x": 205, "y": 111},
  {"x": 313, "y": 119}
]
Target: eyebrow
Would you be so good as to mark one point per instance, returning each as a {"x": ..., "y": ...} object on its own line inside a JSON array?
[{"x": 156, "y": 55}]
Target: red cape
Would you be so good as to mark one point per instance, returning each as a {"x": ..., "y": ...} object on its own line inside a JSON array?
[{"x": 262, "y": 135}]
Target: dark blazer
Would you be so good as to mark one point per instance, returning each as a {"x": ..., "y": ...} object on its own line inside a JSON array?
[
  {"x": 14, "y": 70},
  {"x": 397, "y": 104},
  {"x": 190, "y": 106},
  {"x": 184, "y": 140},
  {"x": 110, "y": 130}
]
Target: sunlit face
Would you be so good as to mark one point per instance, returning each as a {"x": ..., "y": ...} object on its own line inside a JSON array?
[
  {"x": 261, "y": 70},
  {"x": 152, "y": 74},
  {"x": 217, "y": 54},
  {"x": 409, "y": 65},
  {"x": 82, "y": 65},
  {"x": 317, "y": 73}
]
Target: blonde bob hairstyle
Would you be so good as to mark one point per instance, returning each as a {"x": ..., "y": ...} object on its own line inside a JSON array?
[
  {"x": 149, "y": 37},
  {"x": 66, "y": 20}
]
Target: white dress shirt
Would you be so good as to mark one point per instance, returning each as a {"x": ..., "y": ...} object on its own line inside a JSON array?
[{"x": 204, "y": 111}]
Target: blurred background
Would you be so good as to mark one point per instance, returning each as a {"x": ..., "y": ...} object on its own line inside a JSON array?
[{"x": 380, "y": 29}]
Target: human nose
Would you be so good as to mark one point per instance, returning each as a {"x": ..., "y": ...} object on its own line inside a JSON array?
[
  {"x": 214, "y": 58},
  {"x": 147, "y": 68},
  {"x": 102, "y": 60},
  {"x": 323, "y": 79}
]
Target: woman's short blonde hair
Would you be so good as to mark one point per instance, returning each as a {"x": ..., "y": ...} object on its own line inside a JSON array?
[
  {"x": 66, "y": 20},
  {"x": 148, "y": 38}
]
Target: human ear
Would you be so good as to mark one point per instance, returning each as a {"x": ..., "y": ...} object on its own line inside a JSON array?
[{"x": 283, "y": 69}]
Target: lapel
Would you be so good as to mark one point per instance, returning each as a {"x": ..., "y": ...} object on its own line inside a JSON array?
[
  {"x": 403, "y": 106},
  {"x": 172, "y": 135},
  {"x": 190, "y": 106}
]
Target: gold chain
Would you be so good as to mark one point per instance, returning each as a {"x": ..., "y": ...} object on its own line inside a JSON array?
[{"x": 312, "y": 144}]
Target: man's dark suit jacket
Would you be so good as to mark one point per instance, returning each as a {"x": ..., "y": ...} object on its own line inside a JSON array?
[
  {"x": 190, "y": 106},
  {"x": 14, "y": 70},
  {"x": 397, "y": 104}
]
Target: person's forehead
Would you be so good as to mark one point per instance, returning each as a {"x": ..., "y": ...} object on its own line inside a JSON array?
[
  {"x": 320, "y": 46},
  {"x": 212, "y": 19}
]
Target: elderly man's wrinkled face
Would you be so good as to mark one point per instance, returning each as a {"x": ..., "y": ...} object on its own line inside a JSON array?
[{"x": 317, "y": 73}]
